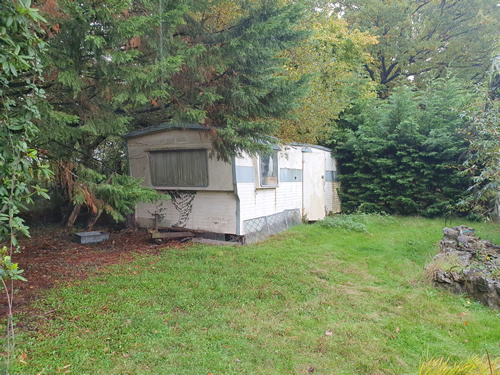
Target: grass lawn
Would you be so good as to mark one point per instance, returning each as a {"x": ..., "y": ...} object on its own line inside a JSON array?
[{"x": 309, "y": 300}]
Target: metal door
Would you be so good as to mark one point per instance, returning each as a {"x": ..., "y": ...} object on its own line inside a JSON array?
[{"x": 313, "y": 185}]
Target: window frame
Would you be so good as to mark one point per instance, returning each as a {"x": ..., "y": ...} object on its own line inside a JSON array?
[{"x": 260, "y": 179}]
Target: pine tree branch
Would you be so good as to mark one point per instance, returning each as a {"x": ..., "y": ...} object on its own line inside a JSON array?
[{"x": 458, "y": 34}]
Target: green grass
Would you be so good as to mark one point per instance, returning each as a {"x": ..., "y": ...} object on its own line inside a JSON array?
[{"x": 323, "y": 298}]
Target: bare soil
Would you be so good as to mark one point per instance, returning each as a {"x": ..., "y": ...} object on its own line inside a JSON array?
[{"x": 50, "y": 258}]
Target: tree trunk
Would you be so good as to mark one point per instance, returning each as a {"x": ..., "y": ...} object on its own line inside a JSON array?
[
  {"x": 93, "y": 220},
  {"x": 65, "y": 214},
  {"x": 130, "y": 221},
  {"x": 73, "y": 216}
]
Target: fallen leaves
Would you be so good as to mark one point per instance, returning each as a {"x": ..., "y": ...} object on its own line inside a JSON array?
[
  {"x": 23, "y": 357},
  {"x": 64, "y": 370}
]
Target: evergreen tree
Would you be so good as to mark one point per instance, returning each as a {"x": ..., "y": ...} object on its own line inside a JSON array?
[
  {"x": 405, "y": 155},
  {"x": 101, "y": 67},
  {"x": 103, "y": 64},
  {"x": 118, "y": 66},
  {"x": 242, "y": 82}
]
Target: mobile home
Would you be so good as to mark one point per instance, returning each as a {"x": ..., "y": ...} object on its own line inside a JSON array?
[{"x": 249, "y": 198}]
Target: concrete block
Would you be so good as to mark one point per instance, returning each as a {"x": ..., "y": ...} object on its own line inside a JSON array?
[{"x": 90, "y": 237}]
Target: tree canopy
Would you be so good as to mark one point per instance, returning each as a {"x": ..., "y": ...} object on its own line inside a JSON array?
[
  {"x": 422, "y": 39},
  {"x": 119, "y": 66},
  {"x": 334, "y": 57},
  {"x": 246, "y": 70}
]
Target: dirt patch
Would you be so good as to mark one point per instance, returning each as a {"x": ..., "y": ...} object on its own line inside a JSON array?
[{"x": 50, "y": 258}]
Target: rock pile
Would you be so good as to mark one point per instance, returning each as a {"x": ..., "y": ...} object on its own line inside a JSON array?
[{"x": 467, "y": 264}]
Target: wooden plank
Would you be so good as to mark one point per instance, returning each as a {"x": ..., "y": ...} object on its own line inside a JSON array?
[
  {"x": 171, "y": 235},
  {"x": 182, "y": 229},
  {"x": 215, "y": 242}
]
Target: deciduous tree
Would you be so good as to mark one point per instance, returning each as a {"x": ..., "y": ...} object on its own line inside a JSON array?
[
  {"x": 334, "y": 58},
  {"x": 422, "y": 38},
  {"x": 483, "y": 157},
  {"x": 20, "y": 70}
]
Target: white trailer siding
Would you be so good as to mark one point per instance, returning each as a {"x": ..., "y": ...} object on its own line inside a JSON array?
[
  {"x": 212, "y": 211},
  {"x": 256, "y": 201},
  {"x": 273, "y": 209}
]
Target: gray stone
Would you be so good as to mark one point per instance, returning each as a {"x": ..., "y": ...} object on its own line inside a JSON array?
[
  {"x": 451, "y": 233},
  {"x": 477, "y": 274}
]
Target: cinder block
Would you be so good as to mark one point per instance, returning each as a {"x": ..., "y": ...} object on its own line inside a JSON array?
[{"x": 90, "y": 237}]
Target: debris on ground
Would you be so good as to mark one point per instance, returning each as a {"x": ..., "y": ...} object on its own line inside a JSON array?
[{"x": 51, "y": 257}]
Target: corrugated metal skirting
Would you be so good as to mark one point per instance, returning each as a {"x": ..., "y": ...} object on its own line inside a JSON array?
[{"x": 260, "y": 228}]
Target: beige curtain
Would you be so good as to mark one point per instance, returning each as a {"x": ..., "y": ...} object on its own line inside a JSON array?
[{"x": 179, "y": 168}]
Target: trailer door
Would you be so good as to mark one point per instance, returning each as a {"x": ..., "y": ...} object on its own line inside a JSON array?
[{"x": 313, "y": 185}]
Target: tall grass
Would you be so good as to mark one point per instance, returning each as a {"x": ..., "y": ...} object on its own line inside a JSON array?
[{"x": 473, "y": 366}]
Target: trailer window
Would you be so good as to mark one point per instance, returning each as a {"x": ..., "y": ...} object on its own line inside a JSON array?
[
  {"x": 179, "y": 168},
  {"x": 269, "y": 169}
]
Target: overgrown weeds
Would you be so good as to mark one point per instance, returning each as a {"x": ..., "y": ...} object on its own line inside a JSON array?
[
  {"x": 353, "y": 222},
  {"x": 474, "y": 366},
  {"x": 446, "y": 262}
]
